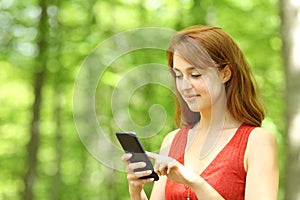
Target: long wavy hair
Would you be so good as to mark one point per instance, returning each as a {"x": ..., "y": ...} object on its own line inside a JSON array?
[{"x": 211, "y": 44}]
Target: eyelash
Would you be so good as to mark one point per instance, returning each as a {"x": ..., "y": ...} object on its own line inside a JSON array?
[
  {"x": 196, "y": 75},
  {"x": 193, "y": 76}
]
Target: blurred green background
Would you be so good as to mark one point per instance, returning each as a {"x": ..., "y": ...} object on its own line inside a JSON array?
[{"x": 42, "y": 45}]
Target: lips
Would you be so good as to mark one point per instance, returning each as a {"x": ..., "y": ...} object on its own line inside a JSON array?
[{"x": 191, "y": 97}]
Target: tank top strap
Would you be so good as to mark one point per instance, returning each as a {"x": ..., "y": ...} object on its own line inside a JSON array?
[
  {"x": 179, "y": 144},
  {"x": 240, "y": 142}
]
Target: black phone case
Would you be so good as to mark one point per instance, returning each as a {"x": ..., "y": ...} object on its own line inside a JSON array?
[{"x": 131, "y": 144}]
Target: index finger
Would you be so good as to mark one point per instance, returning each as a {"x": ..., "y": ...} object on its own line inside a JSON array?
[{"x": 151, "y": 155}]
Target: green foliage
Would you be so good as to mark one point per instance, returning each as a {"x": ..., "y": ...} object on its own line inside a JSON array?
[{"x": 66, "y": 170}]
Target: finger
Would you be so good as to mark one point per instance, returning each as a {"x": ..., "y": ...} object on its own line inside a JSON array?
[
  {"x": 139, "y": 182},
  {"x": 125, "y": 157},
  {"x": 135, "y": 178},
  {"x": 160, "y": 168},
  {"x": 138, "y": 175},
  {"x": 132, "y": 166},
  {"x": 171, "y": 165},
  {"x": 152, "y": 155},
  {"x": 156, "y": 166},
  {"x": 163, "y": 171}
]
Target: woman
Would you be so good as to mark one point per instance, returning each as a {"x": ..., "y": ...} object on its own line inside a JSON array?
[{"x": 220, "y": 151}]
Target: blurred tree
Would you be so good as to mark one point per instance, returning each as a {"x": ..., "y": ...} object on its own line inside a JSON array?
[
  {"x": 39, "y": 79},
  {"x": 290, "y": 31},
  {"x": 54, "y": 66}
]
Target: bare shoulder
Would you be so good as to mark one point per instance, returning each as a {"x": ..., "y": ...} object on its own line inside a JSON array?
[
  {"x": 166, "y": 144},
  {"x": 262, "y": 146},
  {"x": 261, "y": 165},
  {"x": 261, "y": 136}
]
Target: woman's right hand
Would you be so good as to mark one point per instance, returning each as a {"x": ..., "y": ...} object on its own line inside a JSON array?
[{"x": 135, "y": 183}]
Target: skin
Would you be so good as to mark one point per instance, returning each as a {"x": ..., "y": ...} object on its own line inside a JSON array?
[{"x": 260, "y": 160}]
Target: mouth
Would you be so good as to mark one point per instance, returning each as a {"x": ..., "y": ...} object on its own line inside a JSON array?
[{"x": 191, "y": 97}]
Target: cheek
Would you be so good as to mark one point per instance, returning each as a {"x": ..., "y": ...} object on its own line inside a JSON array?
[
  {"x": 178, "y": 87},
  {"x": 200, "y": 86},
  {"x": 215, "y": 89},
  {"x": 178, "y": 84}
]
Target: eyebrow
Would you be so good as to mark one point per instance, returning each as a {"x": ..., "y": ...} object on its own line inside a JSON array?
[{"x": 187, "y": 69}]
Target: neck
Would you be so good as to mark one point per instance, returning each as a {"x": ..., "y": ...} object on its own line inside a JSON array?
[{"x": 206, "y": 121}]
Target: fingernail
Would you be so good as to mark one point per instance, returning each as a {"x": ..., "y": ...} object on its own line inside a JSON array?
[
  {"x": 143, "y": 164},
  {"x": 149, "y": 172},
  {"x": 129, "y": 155}
]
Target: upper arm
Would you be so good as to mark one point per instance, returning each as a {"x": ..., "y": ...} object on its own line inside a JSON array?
[
  {"x": 158, "y": 190},
  {"x": 262, "y": 166}
]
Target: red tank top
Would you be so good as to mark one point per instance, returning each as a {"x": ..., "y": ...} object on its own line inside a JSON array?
[{"x": 226, "y": 173}]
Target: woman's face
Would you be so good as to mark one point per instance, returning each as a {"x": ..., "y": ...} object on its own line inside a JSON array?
[{"x": 200, "y": 88}]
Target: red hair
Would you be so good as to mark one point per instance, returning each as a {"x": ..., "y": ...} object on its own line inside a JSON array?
[{"x": 196, "y": 44}]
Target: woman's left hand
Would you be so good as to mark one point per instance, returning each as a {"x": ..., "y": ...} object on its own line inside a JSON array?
[{"x": 174, "y": 170}]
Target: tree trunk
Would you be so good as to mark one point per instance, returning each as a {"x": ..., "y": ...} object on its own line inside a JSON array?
[
  {"x": 33, "y": 144},
  {"x": 56, "y": 181},
  {"x": 290, "y": 29}
]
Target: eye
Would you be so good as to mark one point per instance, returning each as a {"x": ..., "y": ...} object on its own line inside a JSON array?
[
  {"x": 178, "y": 76},
  {"x": 196, "y": 75}
]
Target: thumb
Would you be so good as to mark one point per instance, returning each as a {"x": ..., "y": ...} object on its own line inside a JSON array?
[{"x": 172, "y": 165}]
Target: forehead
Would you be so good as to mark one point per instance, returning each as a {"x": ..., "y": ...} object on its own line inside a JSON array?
[
  {"x": 180, "y": 64},
  {"x": 183, "y": 57}
]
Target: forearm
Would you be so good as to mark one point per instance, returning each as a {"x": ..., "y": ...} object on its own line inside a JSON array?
[{"x": 203, "y": 190}]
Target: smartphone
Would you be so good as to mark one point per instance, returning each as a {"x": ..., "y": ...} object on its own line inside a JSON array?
[{"x": 131, "y": 144}]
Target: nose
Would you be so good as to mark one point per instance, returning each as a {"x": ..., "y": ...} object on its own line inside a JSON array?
[{"x": 185, "y": 84}]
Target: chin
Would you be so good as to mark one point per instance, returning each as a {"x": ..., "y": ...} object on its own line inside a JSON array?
[{"x": 194, "y": 108}]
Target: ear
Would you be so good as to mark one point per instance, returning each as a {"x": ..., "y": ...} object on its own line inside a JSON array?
[{"x": 225, "y": 74}]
